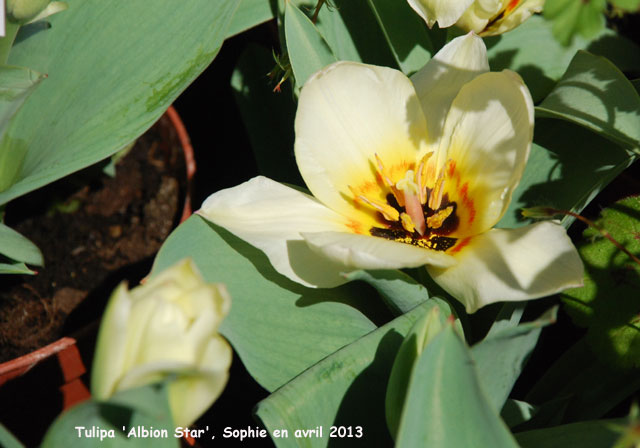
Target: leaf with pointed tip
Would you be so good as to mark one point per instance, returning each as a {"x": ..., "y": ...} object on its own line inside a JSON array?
[
  {"x": 307, "y": 49},
  {"x": 446, "y": 404},
  {"x": 345, "y": 388},
  {"x": 18, "y": 247}
]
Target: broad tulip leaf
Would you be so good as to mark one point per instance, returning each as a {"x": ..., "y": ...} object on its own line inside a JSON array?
[
  {"x": 399, "y": 291},
  {"x": 541, "y": 69},
  {"x": 498, "y": 374},
  {"x": 277, "y": 327},
  {"x": 446, "y": 405},
  {"x": 267, "y": 115},
  {"x": 19, "y": 248},
  {"x": 405, "y": 33},
  {"x": 593, "y": 434},
  {"x": 607, "y": 304},
  {"x": 8, "y": 440},
  {"x": 345, "y": 389},
  {"x": 248, "y": 14},
  {"x": 16, "y": 84},
  {"x": 146, "y": 407},
  {"x": 568, "y": 166},
  {"x": 113, "y": 68},
  {"x": 595, "y": 94},
  {"x": 308, "y": 51}
]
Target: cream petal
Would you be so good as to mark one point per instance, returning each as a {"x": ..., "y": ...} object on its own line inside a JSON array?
[
  {"x": 479, "y": 14},
  {"x": 370, "y": 252},
  {"x": 520, "y": 13},
  {"x": 270, "y": 216},
  {"x": 347, "y": 113},
  {"x": 191, "y": 395},
  {"x": 440, "y": 80},
  {"x": 512, "y": 265},
  {"x": 487, "y": 138},
  {"x": 108, "y": 364},
  {"x": 445, "y": 12}
]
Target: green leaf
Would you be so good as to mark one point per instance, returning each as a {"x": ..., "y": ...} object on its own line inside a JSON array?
[
  {"x": 595, "y": 94},
  {"x": 113, "y": 68},
  {"x": 268, "y": 116},
  {"x": 571, "y": 17},
  {"x": 146, "y": 407},
  {"x": 15, "y": 268},
  {"x": 400, "y": 292},
  {"x": 16, "y": 84},
  {"x": 422, "y": 332},
  {"x": 277, "y": 327},
  {"x": 446, "y": 406},
  {"x": 594, "y": 434},
  {"x": 345, "y": 389},
  {"x": 628, "y": 5},
  {"x": 541, "y": 69},
  {"x": 19, "y": 248},
  {"x": 351, "y": 30},
  {"x": 8, "y": 440},
  {"x": 515, "y": 412},
  {"x": 405, "y": 33},
  {"x": 579, "y": 387},
  {"x": 307, "y": 49},
  {"x": 248, "y": 14},
  {"x": 567, "y": 167},
  {"x": 498, "y": 374},
  {"x": 607, "y": 304}
]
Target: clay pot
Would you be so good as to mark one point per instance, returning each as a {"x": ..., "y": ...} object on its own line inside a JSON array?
[{"x": 61, "y": 362}]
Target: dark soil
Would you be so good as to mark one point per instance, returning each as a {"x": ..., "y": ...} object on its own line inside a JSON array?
[{"x": 94, "y": 231}]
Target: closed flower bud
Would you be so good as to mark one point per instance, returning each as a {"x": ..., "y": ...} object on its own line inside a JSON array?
[{"x": 165, "y": 329}]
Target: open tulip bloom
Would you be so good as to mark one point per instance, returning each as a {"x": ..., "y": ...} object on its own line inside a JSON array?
[
  {"x": 406, "y": 173},
  {"x": 485, "y": 17}
]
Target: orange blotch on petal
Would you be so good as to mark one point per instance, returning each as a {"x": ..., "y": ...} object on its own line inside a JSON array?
[
  {"x": 461, "y": 243},
  {"x": 467, "y": 202},
  {"x": 355, "y": 226},
  {"x": 511, "y": 6}
]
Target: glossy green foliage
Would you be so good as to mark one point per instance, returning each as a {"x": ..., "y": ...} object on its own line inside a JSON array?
[{"x": 607, "y": 304}]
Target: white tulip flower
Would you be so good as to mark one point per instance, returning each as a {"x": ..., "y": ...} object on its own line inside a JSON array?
[{"x": 406, "y": 173}]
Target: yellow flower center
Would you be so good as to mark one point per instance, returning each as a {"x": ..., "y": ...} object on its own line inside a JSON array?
[{"x": 412, "y": 213}]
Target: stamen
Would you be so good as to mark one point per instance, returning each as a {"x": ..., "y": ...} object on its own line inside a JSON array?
[
  {"x": 407, "y": 223},
  {"x": 435, "y": 221},
  {"x": 388, "y": 182},
  {"x": 435, "y": 199},
  {"x": 389, "y": 213},
  {"x": 421, "y": 178}
]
